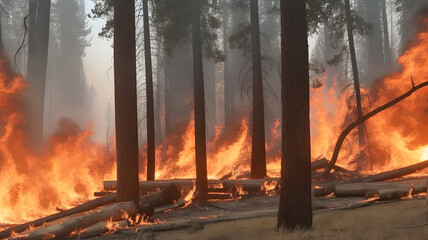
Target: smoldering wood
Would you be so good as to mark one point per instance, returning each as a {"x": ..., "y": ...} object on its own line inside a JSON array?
[
  {"x": 82, "y": 208},
  {"x": 114, "y": 212}
]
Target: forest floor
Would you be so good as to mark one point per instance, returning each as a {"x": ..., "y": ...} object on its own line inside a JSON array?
[{"x": 255, "y": 218}]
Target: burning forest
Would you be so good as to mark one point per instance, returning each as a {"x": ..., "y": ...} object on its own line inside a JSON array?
[{"x": 223, "y": 125}]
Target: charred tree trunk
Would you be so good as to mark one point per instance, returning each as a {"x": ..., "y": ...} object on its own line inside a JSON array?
[
  {"x": 36, "y": 69},
  {"x": 125, "y": 83},
  {"x": 295, "y": 210},
  {"x": 149, "y": 96},
  {"x": 258, "y": 151},
  {"x": 361, "y": 139},
  {"x": 199, "y": 104},
  {"x": 386, "y": 44}
]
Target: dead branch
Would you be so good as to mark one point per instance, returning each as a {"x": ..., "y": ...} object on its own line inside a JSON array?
[{"x": 348, "y": 129}]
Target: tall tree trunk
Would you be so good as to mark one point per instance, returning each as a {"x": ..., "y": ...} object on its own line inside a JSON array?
[
  {"x": 125, "y": 85},
  {"x": 228, "y": 100},
  {"x": 258, "y": 152},
  {"x": 36, "y": 70},
  {"x": 149, "y": 96},
  {"x": 361, "y": 139},
  {"x": 375, "y": 59},
  {"x": 295, "y": 209},
  {"x": 199, "y": 105},
  {"x": 1, "y": 35},
  {"x": 386, "y": 45},
  {"x": 160, "y": 85}
]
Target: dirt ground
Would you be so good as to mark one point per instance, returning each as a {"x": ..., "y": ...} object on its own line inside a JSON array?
[{"x": 403, "y": 219}]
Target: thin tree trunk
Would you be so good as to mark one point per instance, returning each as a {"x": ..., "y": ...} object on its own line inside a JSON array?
[
  {"x": 36, "y": 70},
  {"x": 226, "y": 74},
  {"x": 258, "y": 152},
  {"x": 125, "y": 82},
  {"x": 386, "y": 45},
  {"x": 361, "y": 139},
  {"x": 159, "y": 85},
  {"x": 375, "y": 57},
  {"x": 199, "y": 104},
  {"x": 295, "y": 210},
  {"x": 149, "y": 96},
  {"x": 1, "y": 35}
]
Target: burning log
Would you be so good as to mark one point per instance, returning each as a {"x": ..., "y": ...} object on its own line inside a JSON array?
[
  {"x": 251, "y": 185},
  {"x": 397, "y": 173},
  {"x": 115, "y": 212},
  {"x": 82, "y": 208},
  {"x": 318, "y": 164},
  {"x": 100, "y": 228},
  {"x": 393, "y": 174},
  {"x": 348, "y": 129}
]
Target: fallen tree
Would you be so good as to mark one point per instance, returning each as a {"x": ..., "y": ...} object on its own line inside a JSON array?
[
  {"x": 389, "y": 175},
  {"x": 82, "y": 208},
  {"x": 247, "y": 184},
  {"x": 359, "y": 121},
  {"x": 114, "y": 212}
]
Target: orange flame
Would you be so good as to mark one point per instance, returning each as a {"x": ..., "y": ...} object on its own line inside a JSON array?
[{"x": 68, "y": 171}]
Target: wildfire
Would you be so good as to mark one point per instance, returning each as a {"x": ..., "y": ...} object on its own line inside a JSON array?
[
  {"x": 66, "y": 173},
  {"x": 72, "y": 166}
]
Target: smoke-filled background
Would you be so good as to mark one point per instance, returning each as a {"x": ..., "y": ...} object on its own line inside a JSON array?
[{"x": 78, "y": 109}]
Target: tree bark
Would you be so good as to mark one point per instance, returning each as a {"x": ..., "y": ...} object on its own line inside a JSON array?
[
  {"x": 258, "y": 151},
  {"x": 295, "y": 210},
  {"x": 199, "y": 106},
  {"x": 36, "y": 69},
  {"x": 38, "y": 222},
  {"x": 349, "y": 27},
  {"x": 348, "y": 129},
  {"x": 150, "y": 115},
  {"x": 125, "y": 101}
]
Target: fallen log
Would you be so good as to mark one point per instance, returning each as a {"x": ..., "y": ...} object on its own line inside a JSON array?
[
  {"x": 397, "y": 173},
  {"x": 146, "y": 186},
  {"x": 100, "y": 228},
  {"x": 318, "y": 164},
  {"x": 359, "y": 121},
  {"x": 82, "y": 208},
  {"x": 327, "y": 189},
  {"x": 115, "y": 212}
]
